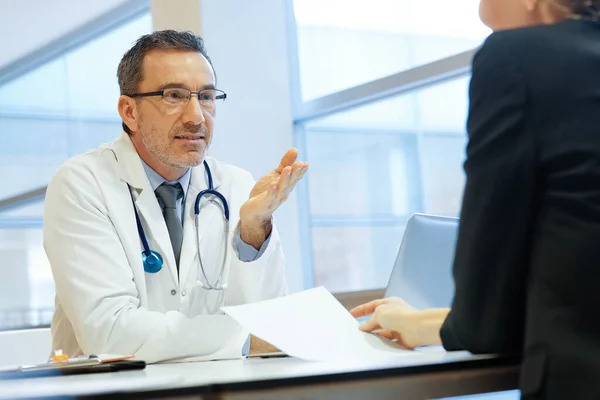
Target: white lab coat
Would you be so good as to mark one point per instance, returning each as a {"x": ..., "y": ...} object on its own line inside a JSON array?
[{"x": 106, "y": 303}]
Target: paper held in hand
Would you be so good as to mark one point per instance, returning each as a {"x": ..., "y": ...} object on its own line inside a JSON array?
[{"x": 314, "y": 326}]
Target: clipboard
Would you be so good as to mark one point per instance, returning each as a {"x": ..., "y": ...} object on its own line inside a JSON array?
[{"x": 74, "y": 366}]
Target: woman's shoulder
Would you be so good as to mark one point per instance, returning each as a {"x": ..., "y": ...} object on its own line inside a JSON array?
[{"x": 540, "y": 42}]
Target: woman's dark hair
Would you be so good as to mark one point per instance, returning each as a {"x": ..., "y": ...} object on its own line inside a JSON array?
[{"x": 584, "y": 8}]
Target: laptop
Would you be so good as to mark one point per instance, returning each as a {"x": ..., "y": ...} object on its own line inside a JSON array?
[{"x": 422, "y": 273}]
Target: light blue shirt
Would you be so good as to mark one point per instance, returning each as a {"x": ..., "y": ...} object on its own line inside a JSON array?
[{"x": 246, "y": 252}]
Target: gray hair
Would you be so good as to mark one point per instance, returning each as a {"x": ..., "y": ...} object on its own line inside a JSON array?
[{"x": 129, "y": 72}]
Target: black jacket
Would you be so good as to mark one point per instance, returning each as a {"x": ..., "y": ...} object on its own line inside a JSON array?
[{"x": 527, "y": 264}]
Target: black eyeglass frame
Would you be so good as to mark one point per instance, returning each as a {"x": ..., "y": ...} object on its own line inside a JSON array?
[{"x": 220, "y": 95}]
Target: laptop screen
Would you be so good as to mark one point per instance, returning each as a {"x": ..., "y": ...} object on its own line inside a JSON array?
[{"x": 422, "y": 273}]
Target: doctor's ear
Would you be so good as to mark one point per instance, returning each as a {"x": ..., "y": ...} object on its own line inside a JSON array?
[{"x": 128, "y": 112}]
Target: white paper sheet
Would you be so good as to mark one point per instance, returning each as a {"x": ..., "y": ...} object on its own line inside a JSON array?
[{"x": 314, "y": 326}]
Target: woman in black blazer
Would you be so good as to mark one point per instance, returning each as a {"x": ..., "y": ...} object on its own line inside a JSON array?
[{"x": 527, "y": 262}]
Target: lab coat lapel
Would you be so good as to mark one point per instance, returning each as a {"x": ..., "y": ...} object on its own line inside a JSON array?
[
  {"x": 206, "y": 218},
  {"x": 132, "y": 172}
]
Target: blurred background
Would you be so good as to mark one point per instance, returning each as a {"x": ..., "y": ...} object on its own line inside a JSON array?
[{"x": 373, "y": 94}]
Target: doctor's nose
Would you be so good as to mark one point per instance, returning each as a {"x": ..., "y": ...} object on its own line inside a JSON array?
[{"x": 193, "y": 112}]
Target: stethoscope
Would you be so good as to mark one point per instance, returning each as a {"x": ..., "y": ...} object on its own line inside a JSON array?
[{"x": 153, "y": 261}]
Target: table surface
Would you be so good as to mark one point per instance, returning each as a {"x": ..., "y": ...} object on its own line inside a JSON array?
[{"x": 204, "y": 377}]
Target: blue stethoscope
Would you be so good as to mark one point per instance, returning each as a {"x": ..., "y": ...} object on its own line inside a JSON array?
[{"x": 153, "y": 261}]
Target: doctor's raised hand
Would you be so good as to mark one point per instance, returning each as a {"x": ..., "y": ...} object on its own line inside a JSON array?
[{"x": 267, "y": 195}]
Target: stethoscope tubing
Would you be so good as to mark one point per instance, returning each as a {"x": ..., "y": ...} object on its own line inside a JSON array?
[{"x": 153, "y": 261}]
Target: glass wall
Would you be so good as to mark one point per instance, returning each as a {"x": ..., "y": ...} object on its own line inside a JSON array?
[
  {"x": 374, "y": 165},
  {"x": 60, "y": 109},
  {"x": 344, "y": 43}
]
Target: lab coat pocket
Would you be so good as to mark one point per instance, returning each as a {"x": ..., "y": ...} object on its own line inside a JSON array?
[{"x": 163, "y": 296}]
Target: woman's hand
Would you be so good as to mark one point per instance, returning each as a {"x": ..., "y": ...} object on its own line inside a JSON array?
[{"x": 394, "y": 319}]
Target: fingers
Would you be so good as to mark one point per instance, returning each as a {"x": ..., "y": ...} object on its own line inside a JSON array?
[
  {"x": 367, "y": 308},
  {"x": 397, "y": 337},
  {"x": 267, "y": 198},
  {"x": 275, "y": 187},
  {"x": 297, "y": 172},
  {"x": 283, "y": 182},
  {"x": 376, "y": 321},
  {"x": 388, "y": 334},
  {"x": 290, "y": 176},
  {"x": 288, "y": 159},
  {"x": 370, "y": 325}
]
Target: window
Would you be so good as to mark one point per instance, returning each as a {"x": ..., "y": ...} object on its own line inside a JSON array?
[
  {"x": 344, "y": 43},
  {"x": 372, "y": 167},
  {"x": 61, "y": 109},
  {"x": 381, "y": 103}
]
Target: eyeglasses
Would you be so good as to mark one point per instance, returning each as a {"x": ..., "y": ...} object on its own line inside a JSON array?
[{"x": 180, "y": 96}]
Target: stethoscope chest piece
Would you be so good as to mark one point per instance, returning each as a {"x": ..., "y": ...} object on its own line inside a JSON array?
[{"x": 153, "y": 262}]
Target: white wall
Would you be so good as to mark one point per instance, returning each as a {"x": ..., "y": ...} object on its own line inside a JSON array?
[
  {"x": 247, "y": 42},
  {"x": 34, "y": 23}
]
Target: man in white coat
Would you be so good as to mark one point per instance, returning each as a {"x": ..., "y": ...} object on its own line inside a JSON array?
[{"x": 107, "y": 299}]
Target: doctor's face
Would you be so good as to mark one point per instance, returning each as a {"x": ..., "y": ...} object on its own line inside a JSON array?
[{"x": 173, "y": 136}]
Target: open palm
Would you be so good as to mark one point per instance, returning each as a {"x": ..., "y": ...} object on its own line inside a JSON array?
[{"x": 274, "y": 188}]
